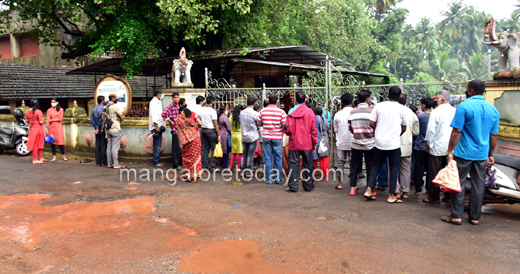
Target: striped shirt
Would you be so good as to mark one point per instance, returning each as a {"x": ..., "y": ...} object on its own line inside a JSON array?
[
  {"x": 360, "y": 122},
  {"x": 272, "y": 118}
]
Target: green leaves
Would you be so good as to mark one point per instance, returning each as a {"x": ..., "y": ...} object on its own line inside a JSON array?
[{"x": 197, "y": 18}]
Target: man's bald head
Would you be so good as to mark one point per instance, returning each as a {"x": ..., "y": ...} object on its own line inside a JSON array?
[{"x": 112, "y": 97}]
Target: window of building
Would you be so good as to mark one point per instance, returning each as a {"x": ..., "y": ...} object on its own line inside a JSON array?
[
  {"x": 5, "y": 47},
  {"x": 29, "y": 45}
]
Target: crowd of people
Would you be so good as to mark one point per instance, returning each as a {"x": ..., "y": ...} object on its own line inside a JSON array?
[{"x": 399, "y": 145}]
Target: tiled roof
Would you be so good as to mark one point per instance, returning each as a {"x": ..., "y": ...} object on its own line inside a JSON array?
[{"x": 26, "y": 82}]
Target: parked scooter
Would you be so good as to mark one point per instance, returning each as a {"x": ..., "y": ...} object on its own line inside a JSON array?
[
  {"x": 506, "y": 189},
  {"x": 15, "y": 138}
]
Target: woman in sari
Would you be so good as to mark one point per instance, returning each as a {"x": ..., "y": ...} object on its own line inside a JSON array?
[
  {"x": 188, "y": 124},
  {"x": 55, "y": 128},
  {"x": 35, "y": 141},
  {"x": 225, "y": 129}
]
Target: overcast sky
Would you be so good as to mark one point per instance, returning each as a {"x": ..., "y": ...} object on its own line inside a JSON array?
[{"x": 433, "y": 9}]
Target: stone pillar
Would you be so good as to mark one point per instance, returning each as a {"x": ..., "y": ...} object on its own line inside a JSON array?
[
  {"x": 15, "y": 46},
  {"x": 12, "y": 104},
  {"x": 90, "y": 105}
]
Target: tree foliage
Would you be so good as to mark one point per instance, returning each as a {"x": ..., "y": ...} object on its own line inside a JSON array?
[
  {"x": 450, "y": 49},
  {"x": 371, "y": 34}
]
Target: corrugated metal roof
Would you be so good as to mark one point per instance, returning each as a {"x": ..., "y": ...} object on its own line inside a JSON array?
[
  {"x": 284, "y": 54},
  {"x": 306, "y": 67}
]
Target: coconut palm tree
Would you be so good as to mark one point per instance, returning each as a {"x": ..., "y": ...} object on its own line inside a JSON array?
[
  {"x": 454, "y": 20},
  {"x": 475, "y": 66},
  {"x": 426, "y": 33},
  {"x": 512, "y": 24},
  {"x": 473, "y": 29},
  {"x": 442, "y": 68},
  {"x": 382, "y": 6}
]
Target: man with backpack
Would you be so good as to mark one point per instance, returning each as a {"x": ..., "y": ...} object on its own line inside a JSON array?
[
  {"x": 112, "y": 117},
  {"x": 101, "y": 137}
]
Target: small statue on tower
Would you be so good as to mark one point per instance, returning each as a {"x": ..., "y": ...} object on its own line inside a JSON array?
[{"x": 181, "y": 68}]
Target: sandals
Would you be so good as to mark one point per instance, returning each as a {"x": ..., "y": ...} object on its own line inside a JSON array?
[
  {"x": 473, "y": 222},
  {"x": 449, "y": 219},
  {"x": 339, "y": 188},
  {"x": 369, "y": 197},
  {"x": 397, "y": 201},
  {"x": 426, "y": 200},
  {"x": 194, "y": 180},
  {"x": 354, "y": 193},
  {"x": 379, "y": 188}
]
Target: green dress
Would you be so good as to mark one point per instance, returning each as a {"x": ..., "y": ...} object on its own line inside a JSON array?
[{"x": 236, "y": 137}]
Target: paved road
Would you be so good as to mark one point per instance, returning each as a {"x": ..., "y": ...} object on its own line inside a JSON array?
[{"x": 71, "y": 217}]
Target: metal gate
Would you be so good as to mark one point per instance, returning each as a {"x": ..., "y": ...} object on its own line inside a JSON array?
[{"x": 326, "y": 86}]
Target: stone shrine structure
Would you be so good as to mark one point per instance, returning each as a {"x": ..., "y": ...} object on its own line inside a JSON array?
[
  {"x": 508, "y": 45},
  {"x": 182, "y": 70}
]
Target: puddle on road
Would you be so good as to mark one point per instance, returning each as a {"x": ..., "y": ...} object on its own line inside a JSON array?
[
  {"x": 228, "y": 256},
  {"x": 25, "y": 220}
]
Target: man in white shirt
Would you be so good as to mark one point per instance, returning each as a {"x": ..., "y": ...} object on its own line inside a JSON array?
[
  {"x": 210, "y": 133},
  {"x": 389, "y": 122},
  {"x": 250, "y": 128},
  {"x": 155, "y": 122},
  {"x": 343, "y": 136},
  {"x": 437, "y": 141},
  {"x": 200, "y": 102},
  {"x": 405, "y": 167}
]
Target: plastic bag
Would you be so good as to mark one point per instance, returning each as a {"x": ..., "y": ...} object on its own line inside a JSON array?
[
  {"x": 258, "y": 151},
  {"x": 218, "y": 151},
  {"x": 49, "y": 139},
  {"x": 322, "y": 147},
  {"x": 448, "y": 178},
  {"x": 490, "y": 178},
  {"x": 285, "y": 141}
]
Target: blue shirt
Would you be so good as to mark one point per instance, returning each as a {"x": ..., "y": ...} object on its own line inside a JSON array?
[
  {"x": 95, "y": 117},
  {"x": 477, "y": 119},
  {"x": 293, "y": 109},
  {"x": 420, "y": 143},
  {"x": 326, "y": 115}
]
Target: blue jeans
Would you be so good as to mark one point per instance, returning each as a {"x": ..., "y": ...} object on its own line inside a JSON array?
[
  {"x": 272, "y": 150},
  {"x": 248, "y": 156},
  {"x": 157, "y": 144},
  {"x": 382, "y": 177},
  {"x": 380, "y": 158},
  {"x": 225, "y": 156}
]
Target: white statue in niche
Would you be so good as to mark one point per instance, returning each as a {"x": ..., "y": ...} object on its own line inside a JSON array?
[{"x": 182, "y": 70}]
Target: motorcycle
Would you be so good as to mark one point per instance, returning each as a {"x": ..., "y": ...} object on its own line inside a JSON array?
[
  {"x": 506, "y": 189},
  {"x": 15, "y": 138}
]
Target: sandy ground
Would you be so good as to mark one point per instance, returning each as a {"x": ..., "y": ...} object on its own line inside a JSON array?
[{"x": 72, "y": 217}]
